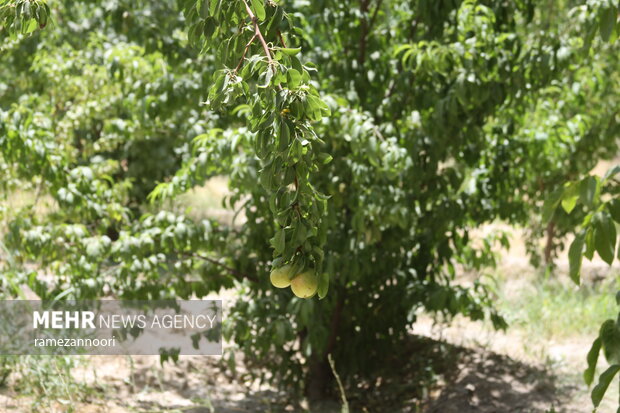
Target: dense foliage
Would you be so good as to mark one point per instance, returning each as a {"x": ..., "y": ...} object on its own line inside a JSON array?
[
  {"x": 596, "y": 234},
  {"x": 365, "y": 141}
]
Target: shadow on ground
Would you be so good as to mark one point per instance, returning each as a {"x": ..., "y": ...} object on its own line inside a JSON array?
[
  {"x": 486, "y": 382},
  {"x": 426, "y": 375},
  {"x": 432, "y": 376}
]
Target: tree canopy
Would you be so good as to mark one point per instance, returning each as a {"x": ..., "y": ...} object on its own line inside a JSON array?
[{"x": 364, "y": 141}]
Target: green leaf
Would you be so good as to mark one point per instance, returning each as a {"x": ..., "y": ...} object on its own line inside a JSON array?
[
  {"x": 551, "y": 203},
  {"x": 300, "y": 234},
  {"x": 295, "y": 152},
  {"x": 313, "y": 107},
  {"x": 323, "y": 285},
  {"x": 274, "y": 22},
  {"x": 278, "y": 241},
  {"x": 610, "y": 341},
  {"x": 31, "y": 26},
  {"x": 285, "y": 135},
  {"x": 261, "y": 144},
  {"x": 266, "y": 177},
  {"x": 203, "y": 8},
  {"x": 607, "y": 22},
  {"x": 213, "y": 6},
  {"x": 570, "y": 197},
  {"x": 575, "y": 257},
  {"x": 588, "y": 374},
  {"x": 604, "y": 236},
  {"x": 195, "y": 32},
  {"x": 209, "y": 27},
  {"x": 587, "y": 190},
  {"x": 603, "y": 383},
  {"x": 611, "y": 172},
  {"x": 293, "y": 78},
  {"x": 268, "y": 74},
  {"x": 614, "y": 209},
  {"x": 590, "y": 246},
  {"x": 259, "y": 9},
  {"x": 289, "y": 51},
  {"x": 325, "y": 158}
]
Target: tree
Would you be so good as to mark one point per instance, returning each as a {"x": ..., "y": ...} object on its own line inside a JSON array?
[{"x": 363, "y": 140}]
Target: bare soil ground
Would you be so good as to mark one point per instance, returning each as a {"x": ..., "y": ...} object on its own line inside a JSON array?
[{"x": 466, "y": 379}]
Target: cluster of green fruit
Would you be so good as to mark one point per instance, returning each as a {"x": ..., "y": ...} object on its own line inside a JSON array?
[{"x": 303, "y": 285}]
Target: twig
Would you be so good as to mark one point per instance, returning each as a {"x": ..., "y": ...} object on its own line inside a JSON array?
[
  {"x": 281, "y": 39},
  {"x": 364, "y": 32},
  {"x": 366, "y": 27},
  {"x": 378, "y": 133},
  {"x": 226, "y": 267},
  {"x": 374, "y": 14},
  {"x": 257, "y": 32},
  {"x": 37, "y": 193},
  {"x": 334, "y": 325},
  {"x": 245, "y": 51},
  {"x": 343, "y": 396}
]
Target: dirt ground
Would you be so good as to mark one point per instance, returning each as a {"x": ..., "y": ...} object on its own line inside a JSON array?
[{"x": 478, "y": 377}]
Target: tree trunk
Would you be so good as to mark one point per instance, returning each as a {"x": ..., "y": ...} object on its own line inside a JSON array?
[
  {"x": 319, "y": 377},
  {"x": 549, "y": 246},
  {"x": 318, "y": 380}
]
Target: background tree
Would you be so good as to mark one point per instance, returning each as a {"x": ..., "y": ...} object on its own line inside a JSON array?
[{"x": 363, "y": 140}]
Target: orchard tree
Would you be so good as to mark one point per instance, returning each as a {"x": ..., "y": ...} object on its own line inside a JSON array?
[{"x": 362, "y": 141}]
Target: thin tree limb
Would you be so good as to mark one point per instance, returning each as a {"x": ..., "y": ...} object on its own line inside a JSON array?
[
  {"x": 363, "y": 33},
  {"x": 374, "y": 14},
  {"x": 245, "y": 51},
  {"x": 257, "y": 32},
  {"x": 281, "y": 39},
  {"x": 224, "y": 266},
  {"x": 366, "y": 27}
]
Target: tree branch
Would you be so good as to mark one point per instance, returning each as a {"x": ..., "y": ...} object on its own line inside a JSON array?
[
  {"x": 257, "y": 32},
  {"x": 224, "y": 266},
  {"x": 363, "y": 32},
  {"x": 281, "y": 39},
  {"x": 245, "y": 51},
  {"x": 334, "y": 325},
  {"x": 366, "y": 27},
  {"x": 374, "y": 14}
]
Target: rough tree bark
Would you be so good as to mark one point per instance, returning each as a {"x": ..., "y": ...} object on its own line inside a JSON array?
[{"x": 319, "y": 375}]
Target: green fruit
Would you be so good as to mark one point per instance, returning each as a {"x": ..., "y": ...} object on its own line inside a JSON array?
[
  {"x": 281, "y": 277},
  {"x": 304, "y": 285}
]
